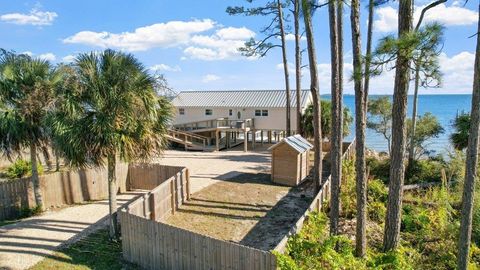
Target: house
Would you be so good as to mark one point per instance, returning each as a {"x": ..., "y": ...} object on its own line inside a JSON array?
[{"x": 227, "y": 118}]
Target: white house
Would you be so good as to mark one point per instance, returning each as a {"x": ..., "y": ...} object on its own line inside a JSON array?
[{"x": 238, "y": 114}]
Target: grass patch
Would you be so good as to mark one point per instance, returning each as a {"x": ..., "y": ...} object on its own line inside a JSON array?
[
  {"x": 93, "y": 252},
  {"x": 7, "y": 222}
]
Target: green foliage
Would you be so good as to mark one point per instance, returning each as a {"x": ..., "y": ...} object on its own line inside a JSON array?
[
  {"x": 461, "y": 126},
  {"x": 427, "y": 127},
  {"x": 424, "y": 171},
  {"x": 377, "y": 194},
  {"x": 379, "y": 168},
  {"x": 21, "y": 168},
  {"x": 420, "y": 171},
  {"x": 30, "y": 212},
  {"x": 423, "y": 47},
  {"x": 26, "y": 94},
  {"x": 108, "y": 107},
  {"x": 260, "y": 48},
  {"x": 326, "y": 120},
  {"x": 380, "y": 117}
]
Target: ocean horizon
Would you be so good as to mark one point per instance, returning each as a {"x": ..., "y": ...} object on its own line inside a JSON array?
[{"x": 444, "y": 106}]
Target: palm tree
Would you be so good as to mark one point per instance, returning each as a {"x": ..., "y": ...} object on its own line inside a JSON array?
[
  {"x": 26, "y": 93},
  {"x": 110, "y": 110},
  {"x": 471, "y": 170},
  {"x": 399, "y": 113},
  {"x": 307, "y": 6}
]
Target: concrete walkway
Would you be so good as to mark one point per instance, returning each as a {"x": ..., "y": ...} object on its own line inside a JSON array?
[{"x": 25, "y": 243}]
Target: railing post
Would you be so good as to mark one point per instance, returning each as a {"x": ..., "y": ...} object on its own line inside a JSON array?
[
  {"x": 187, "y": 178},
  {"x": 172, "y": 193},
  {"x": 153, "y": 214}
]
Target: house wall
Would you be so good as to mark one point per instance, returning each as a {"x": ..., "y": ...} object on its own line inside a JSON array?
[{"x": 274, "y": 121}]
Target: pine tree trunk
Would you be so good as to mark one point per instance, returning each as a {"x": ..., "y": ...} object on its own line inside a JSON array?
[
  {"x": 112, "y": 197},
  {"x": 411, "y": 152},
  {"x": 335, "y": 152},
  {"x": 314, "y": 89},
  {"x": 360, "y": 126},
  {"x": 368, "y": 57},
  {"x": 285, "y": 67},
  {"x": 399, "y": 114},
  {"x": 471, "y": 172},
  {"x": 298, "y": 65},
  {"x": 35, "y": 178}
]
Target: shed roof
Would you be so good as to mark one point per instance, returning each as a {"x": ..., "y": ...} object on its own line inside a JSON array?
[
  {"x": 242, "y": 99},
  {"x": 297, "y": 142}
]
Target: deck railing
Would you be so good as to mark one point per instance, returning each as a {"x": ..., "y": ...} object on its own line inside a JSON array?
[{"x": 217, "y": 123}]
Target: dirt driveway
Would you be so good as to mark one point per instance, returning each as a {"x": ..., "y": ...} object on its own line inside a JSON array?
[
  {"x": 207, "y": 168},
  {"x": 233, "y": 198}
]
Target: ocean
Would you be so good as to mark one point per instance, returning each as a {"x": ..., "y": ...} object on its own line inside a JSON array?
[{"x": 444, "y": 107}]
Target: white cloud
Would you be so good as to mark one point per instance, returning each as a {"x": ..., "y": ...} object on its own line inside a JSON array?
[
  {"x": 189, "y": 35},
  {"x": 44, "y": 56},
  {"x": 291, "y": 37},
  {"x": 162, "y": 35},
  {"x": 47, "y": 56},
  {"x": 69, "y": 58},
  {"x": 35, "y": 17},
  {"x": 222, "y": 45},
  {"x": 454, "y": 15},
  {"x": 291, "y": 67},
  {"x": 457, "y": 72},
  {"x": 233, "y": 33},
  {"x": 210, "y": 78},
  {"x": 164, "y": 67}
]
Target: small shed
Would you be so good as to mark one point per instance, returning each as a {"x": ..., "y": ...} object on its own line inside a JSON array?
[{"x": 290, "y": 160}]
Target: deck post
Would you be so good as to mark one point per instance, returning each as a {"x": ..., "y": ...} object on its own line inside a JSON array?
[
  {"x": 254, "y": 135},
  {"x": 217, "y": 141},
  {"x": 245, "y": 140},
  {"x": 269, "y": 134},
  {"x": 261, "y": 136}
]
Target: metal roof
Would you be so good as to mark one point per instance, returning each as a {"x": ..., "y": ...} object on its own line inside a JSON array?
[
  {"x": 242, "y": 99},
  {"x": 297, "y": 142}
]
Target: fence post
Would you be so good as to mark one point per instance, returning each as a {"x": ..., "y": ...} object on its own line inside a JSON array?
[
  {"x": 187, "y": 178},
  {"x": 145, "y": 203},
  {"x": 172, "y": 194},
  {"x": 153, "y": 214}
]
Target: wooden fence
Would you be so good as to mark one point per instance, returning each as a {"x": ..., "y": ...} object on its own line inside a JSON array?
[
  {"x": 316, "y": 205},
  {"x": 58, "y": 189},
  {"x": 152, "y": 244}
]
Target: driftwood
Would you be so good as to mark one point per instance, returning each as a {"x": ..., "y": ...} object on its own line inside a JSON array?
[
  {"x": 425, "y": 185},
  {"x": 431, "y": 204},
  {"x": 420, "y": 186}
]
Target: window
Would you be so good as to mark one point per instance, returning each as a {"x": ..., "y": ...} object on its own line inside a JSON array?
[
  {"x": 208, "y": 112},
  {"x": 230, "y": 112},
  {"x": 181, "y": 111},
  {"x": 261, "y": 112}
]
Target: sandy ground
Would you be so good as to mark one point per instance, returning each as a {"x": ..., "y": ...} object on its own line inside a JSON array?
[
  {"x": 212, "y": 167},
  {"x": 233, "y": 198},
  {"x": 25, "y": 243}
]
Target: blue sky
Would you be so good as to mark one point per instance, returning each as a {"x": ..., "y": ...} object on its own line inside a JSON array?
[{"x": 194, "y": 42}]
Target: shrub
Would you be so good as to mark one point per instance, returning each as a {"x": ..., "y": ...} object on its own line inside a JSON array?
[
  {"x": 424, "y": 170},
  {"x": 380, "y": 168},
  {"x": 21, "y": 168},
  {"x": 421, "y": 171},
  {"x": 377, "y": 211}
]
